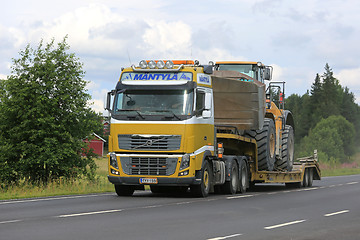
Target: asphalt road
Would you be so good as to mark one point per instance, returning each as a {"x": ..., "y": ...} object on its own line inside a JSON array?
[{"x": 328, "y": 210}]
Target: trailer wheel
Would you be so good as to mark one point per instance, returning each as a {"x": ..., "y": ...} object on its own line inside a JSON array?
[
  {"x": 231, "y": 187},
  {"x": 311, "y": 177},
  {"x": 243, "y": 176},
  {"x": 287, "y": 150},
  {"x": 123, "y": 190},
  {"x": 266, "y": 144},
  {"x": 305, "y": 182},
  {"x": 203, "y": 189}
]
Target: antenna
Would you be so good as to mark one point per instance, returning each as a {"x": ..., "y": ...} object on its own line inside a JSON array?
[{"x": 128, "y": 56}]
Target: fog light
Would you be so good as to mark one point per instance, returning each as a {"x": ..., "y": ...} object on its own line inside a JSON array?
[
  {"x": 143, "y": 64},
  {"x": 152, "y": 64},
  {"x": 160, "y": 64},
  {"x": 184, "y": 173},
  {"x": 114, "y": 172},
  {"x": 169, "y": 64}
]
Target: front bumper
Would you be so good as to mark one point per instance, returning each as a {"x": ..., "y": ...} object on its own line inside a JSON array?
[{"x": 161, "y": 181}]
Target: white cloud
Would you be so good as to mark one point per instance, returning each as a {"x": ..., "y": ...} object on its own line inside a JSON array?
[
  {"x": 167, "y": 39},
  {"x": 3, "y": 77},
  {"x": 350, "y": 78}
]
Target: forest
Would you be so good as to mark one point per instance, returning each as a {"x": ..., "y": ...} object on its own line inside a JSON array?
[{"x": 327, "y": 119}]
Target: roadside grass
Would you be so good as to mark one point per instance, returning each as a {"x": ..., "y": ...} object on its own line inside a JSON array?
[
  {"x": 62, "y": 187},
  {"x": 340, "y": 169}
]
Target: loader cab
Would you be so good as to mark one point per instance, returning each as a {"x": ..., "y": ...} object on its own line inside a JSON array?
[{"x": 255, "y": 70}]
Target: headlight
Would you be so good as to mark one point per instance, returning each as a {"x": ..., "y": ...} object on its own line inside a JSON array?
[
  {"x": 185, "y": 162},
  {"x": 113, "y": 160},
  {"x": 160, "y": 64},
  {"x": 143, "y": 64},
  {"x": 152, "y": 64}
]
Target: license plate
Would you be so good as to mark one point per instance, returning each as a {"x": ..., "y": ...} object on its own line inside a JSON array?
[{"x": 148, "y": 181}]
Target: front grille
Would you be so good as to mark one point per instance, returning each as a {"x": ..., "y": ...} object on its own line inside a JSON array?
[
  {"x": 149, "y": 142},
  {"x": 158, "y": 166}
]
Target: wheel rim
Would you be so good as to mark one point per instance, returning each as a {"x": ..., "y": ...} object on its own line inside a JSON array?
[
  {"x": 234, "y": 179},
  {"x": 206, "y": 179},
  {"x": 243, "y": 177}
]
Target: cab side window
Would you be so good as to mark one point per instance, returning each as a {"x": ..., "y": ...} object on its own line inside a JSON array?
[{"x": 200, "y": 102}]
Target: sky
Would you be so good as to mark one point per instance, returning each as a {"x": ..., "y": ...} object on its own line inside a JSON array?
[{"x": 297, "y": 38}]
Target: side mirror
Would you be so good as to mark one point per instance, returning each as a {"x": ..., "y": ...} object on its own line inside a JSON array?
[
  {"x": 208, "y": 101},
  {"x": 206, "y": 114},
  {"x": 108, "y": 100},
  {"x": 267, "y": 73}
]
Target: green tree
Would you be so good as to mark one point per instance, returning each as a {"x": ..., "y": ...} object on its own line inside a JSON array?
[
  {"x": 333, "y": 136},
  {"x": 44, "y": 116}
]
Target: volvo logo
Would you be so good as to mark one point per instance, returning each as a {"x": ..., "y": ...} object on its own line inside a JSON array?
[{"x": 149, "y": 142}]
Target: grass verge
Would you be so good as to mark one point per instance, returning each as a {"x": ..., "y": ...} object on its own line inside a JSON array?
[{"x": 82, "y": 186}]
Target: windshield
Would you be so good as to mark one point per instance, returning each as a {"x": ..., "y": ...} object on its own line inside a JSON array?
[
  {"x": 246, "y": 69},
  {"x": 145, "y": 103}
]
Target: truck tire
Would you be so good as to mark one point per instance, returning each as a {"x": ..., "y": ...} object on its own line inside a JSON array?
[
  {"x": 243, "y": 177},
  {"x": 287, "y": 150},
  {"x": 266, "y": 144},
  {"x": 123, "y": 190},
  {"x": 231, "y": 187},
  {"x": 311, "y": 177},
  {"x": 203, "y": 189},
  {"x": 305, "y": 182}
]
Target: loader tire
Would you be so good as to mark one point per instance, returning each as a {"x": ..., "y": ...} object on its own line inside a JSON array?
[
  {"x": 266, "y": 143},
  {"x": 287, "y": 150}
]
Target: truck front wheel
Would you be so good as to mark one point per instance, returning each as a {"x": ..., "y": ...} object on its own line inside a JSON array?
[
  {"x": 123, "y": 190},
  {"x": 203, "y": 189}
]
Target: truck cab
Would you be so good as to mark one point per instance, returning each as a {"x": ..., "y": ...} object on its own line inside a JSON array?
[{"x": 162, "y": 125}]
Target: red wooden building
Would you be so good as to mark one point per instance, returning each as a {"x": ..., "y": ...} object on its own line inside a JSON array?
[{"x": 97, "y": 144}]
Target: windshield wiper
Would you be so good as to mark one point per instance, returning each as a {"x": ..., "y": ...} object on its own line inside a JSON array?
[
  {"x": 132, "y": 110},
  {"x": 169, "y": 111}
]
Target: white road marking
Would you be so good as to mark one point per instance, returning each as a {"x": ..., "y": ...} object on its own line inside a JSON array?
[
  {"x": 272, "y": 193},
  {"x": 180, "y": 203},
  {"x": 11, "y": 221},
  {"x": 336, "y": 213},
  {"x": 351, "y": 183},
  {"x": 89, "y": 213},
  {"x": 240, "y": 196},
  {"x": 225, "y": 237},
  {"x": 54, "y": 198},
  {"x": 284, "y": 224},
  {"x": 309, "y": 189},
  {"x": 152, "y": 206}
]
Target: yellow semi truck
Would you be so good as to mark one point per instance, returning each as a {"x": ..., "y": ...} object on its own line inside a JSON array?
[{"x": 177, "y": 125}]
